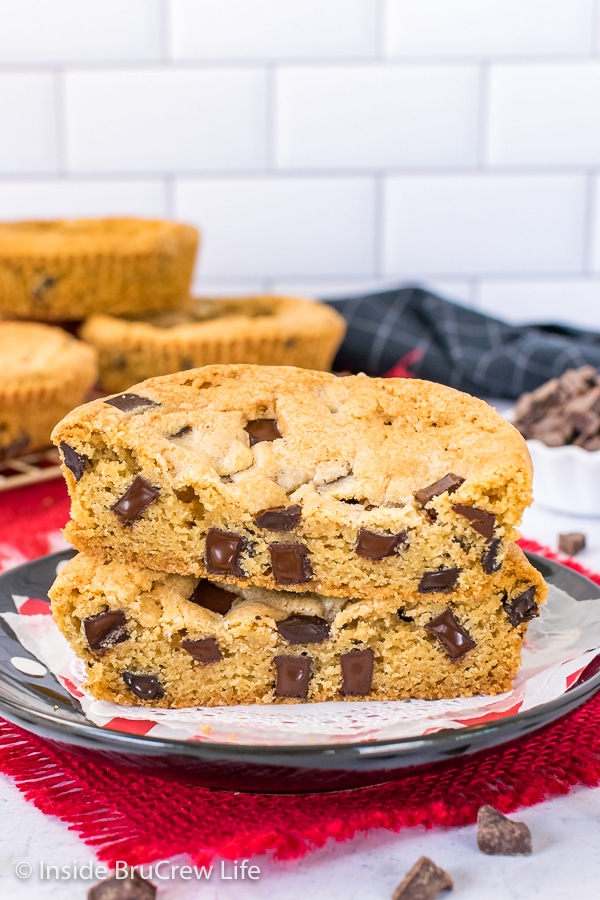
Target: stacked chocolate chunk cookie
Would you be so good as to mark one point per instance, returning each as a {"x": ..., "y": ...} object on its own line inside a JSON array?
[{"x": 251, "y": 534}]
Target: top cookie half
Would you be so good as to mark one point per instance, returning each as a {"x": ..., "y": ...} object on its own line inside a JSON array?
[{"x": 296, "y": 479}]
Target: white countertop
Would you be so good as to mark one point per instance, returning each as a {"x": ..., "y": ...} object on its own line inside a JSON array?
[{"x": 565, "y": 831}]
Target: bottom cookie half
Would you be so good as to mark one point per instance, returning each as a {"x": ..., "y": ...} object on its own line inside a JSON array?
[{"x": 156, "y": 639}]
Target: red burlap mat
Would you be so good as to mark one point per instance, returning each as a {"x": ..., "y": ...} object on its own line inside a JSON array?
[{"x": 139, "y": 818}]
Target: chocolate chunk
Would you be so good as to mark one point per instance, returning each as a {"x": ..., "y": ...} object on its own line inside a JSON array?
[
  {"x": 448, "y": 484},
  {"x": 182, "y": 431},
  {"x": 282, "y": 518},
  {"x": 591, "y": 443},
  {"x": 480, "y": 519},
  {"x": 423, "y": 881},
  {"x": 205, "y": 651},
  {"x": 146, "y": 687},
  {"x": 571, "y": 543},
  {"x": 223, "y": 551},
  {"x": 293, "y": 675},
  {"x": 15, "y": 447},
  {"x": 403, "y": 617},
  {"x": 450, "y": 633},
  {"x": 372, "y": 545},
  {"x": 499, "y": 836},
  {"x": 589, "y": 402},
  {"x": 42, "y": 287},
  {"x": 554, "y": 431},
  {"x": 438, "y": 582},
  {"x": 106, "y": 629},
  {"x": 357, "y": 671},
  {"x": 212, "y": 597},
  {"x": 522, "y": 608},
  {"x": 77, "y": 463},
  {"x": 119, "y": 362},
  {"x": 563, "y": 411},
  {"x": 131, "y": 887},
  {"x": 489, "y": 561},
  {"x": 138, "y": 497},
  {"x": 530, "y": 407},
  {"x": 577, "y": 381},
  {"x": 131, "y": 402},
  {"x": 290, "y": 563},
  {"x": 585, "y": 424},
  {"x": 299, "y": 629},
  {"x": 262, "y": 430}
]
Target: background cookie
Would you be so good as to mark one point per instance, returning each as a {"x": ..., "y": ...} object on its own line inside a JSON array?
[
  {"x": 68, "y": 269},
  {"x": 44, "y": 373},
  {"x": 260, "y": 330}
]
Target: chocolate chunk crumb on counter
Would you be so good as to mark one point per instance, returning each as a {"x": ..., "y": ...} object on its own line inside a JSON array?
[
  {"x": 134, "y": 887},
  {"x": 571, "y": 543},
  {"x": 498, "y": 835},
  {"x": 423, "y": 881},
  {"x": 260, "y": 535}
]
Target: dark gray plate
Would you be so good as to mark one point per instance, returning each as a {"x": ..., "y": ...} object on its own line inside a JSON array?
[{"x": 42, "y": 706}]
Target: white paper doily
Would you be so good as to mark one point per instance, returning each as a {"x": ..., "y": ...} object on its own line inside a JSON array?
[{"x": 559, "y": 645}]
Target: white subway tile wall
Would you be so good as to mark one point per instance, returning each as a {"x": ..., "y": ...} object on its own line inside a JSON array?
[
  {"x": 281, "y": 226},
  {"x": 324, "y": 147}
]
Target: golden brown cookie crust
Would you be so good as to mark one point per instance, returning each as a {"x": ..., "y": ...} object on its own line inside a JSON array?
[
  {"x": 58, "y": 270},
  {"x": 158, "y": 619},
  {"x": 262, "y": 330},
  {"x": 353, "y": 454},
  {"x": 44, "y": 373}
]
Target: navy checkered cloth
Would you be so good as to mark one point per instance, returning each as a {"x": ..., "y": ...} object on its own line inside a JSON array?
[{"x": 456, "y": 345}]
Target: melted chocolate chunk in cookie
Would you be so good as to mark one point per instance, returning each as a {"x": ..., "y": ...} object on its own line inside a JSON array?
[
  {"x": 262, "y": 430},
  {"x": 499, "y": 836},
  {"x": 357, "y": 671},
  {"x": 105, "y": 629},
  {"x": 146, "y": 687},
  {"x": 290, "y": 563},
  {"x": 212, "y": 597},
  {"x": 522, "y": 608},
  {"x": 131, "y": 402},
  {"x": 181, "y": 433},
  {"x": 205, "y": 651},
  {"x": 75, "y": 462},
  {"x": 489, "y": 561},
  {"x": 299, "y": 629},
  {"x": 481, "y": 520},
  {"x": 293, "y": 675},
  {"x": 137, "y": 498},
  {"x": 372, "y": 545},
  {"x": 282, "y": 518},
  {"x": 448, "y": 484},
  {"x": 438, "y": 582},
  {"x": 450, "y": 633},
  {"x": 223, "y": 552}
]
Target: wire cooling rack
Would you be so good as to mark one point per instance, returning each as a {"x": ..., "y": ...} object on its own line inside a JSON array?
[{"x": 31, "y": 469}]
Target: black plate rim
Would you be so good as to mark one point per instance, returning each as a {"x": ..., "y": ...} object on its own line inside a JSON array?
[{"x": 370, "y": 754}]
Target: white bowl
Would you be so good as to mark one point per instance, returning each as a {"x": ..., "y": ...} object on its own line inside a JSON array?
[{"x": 566, "y": 479}]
